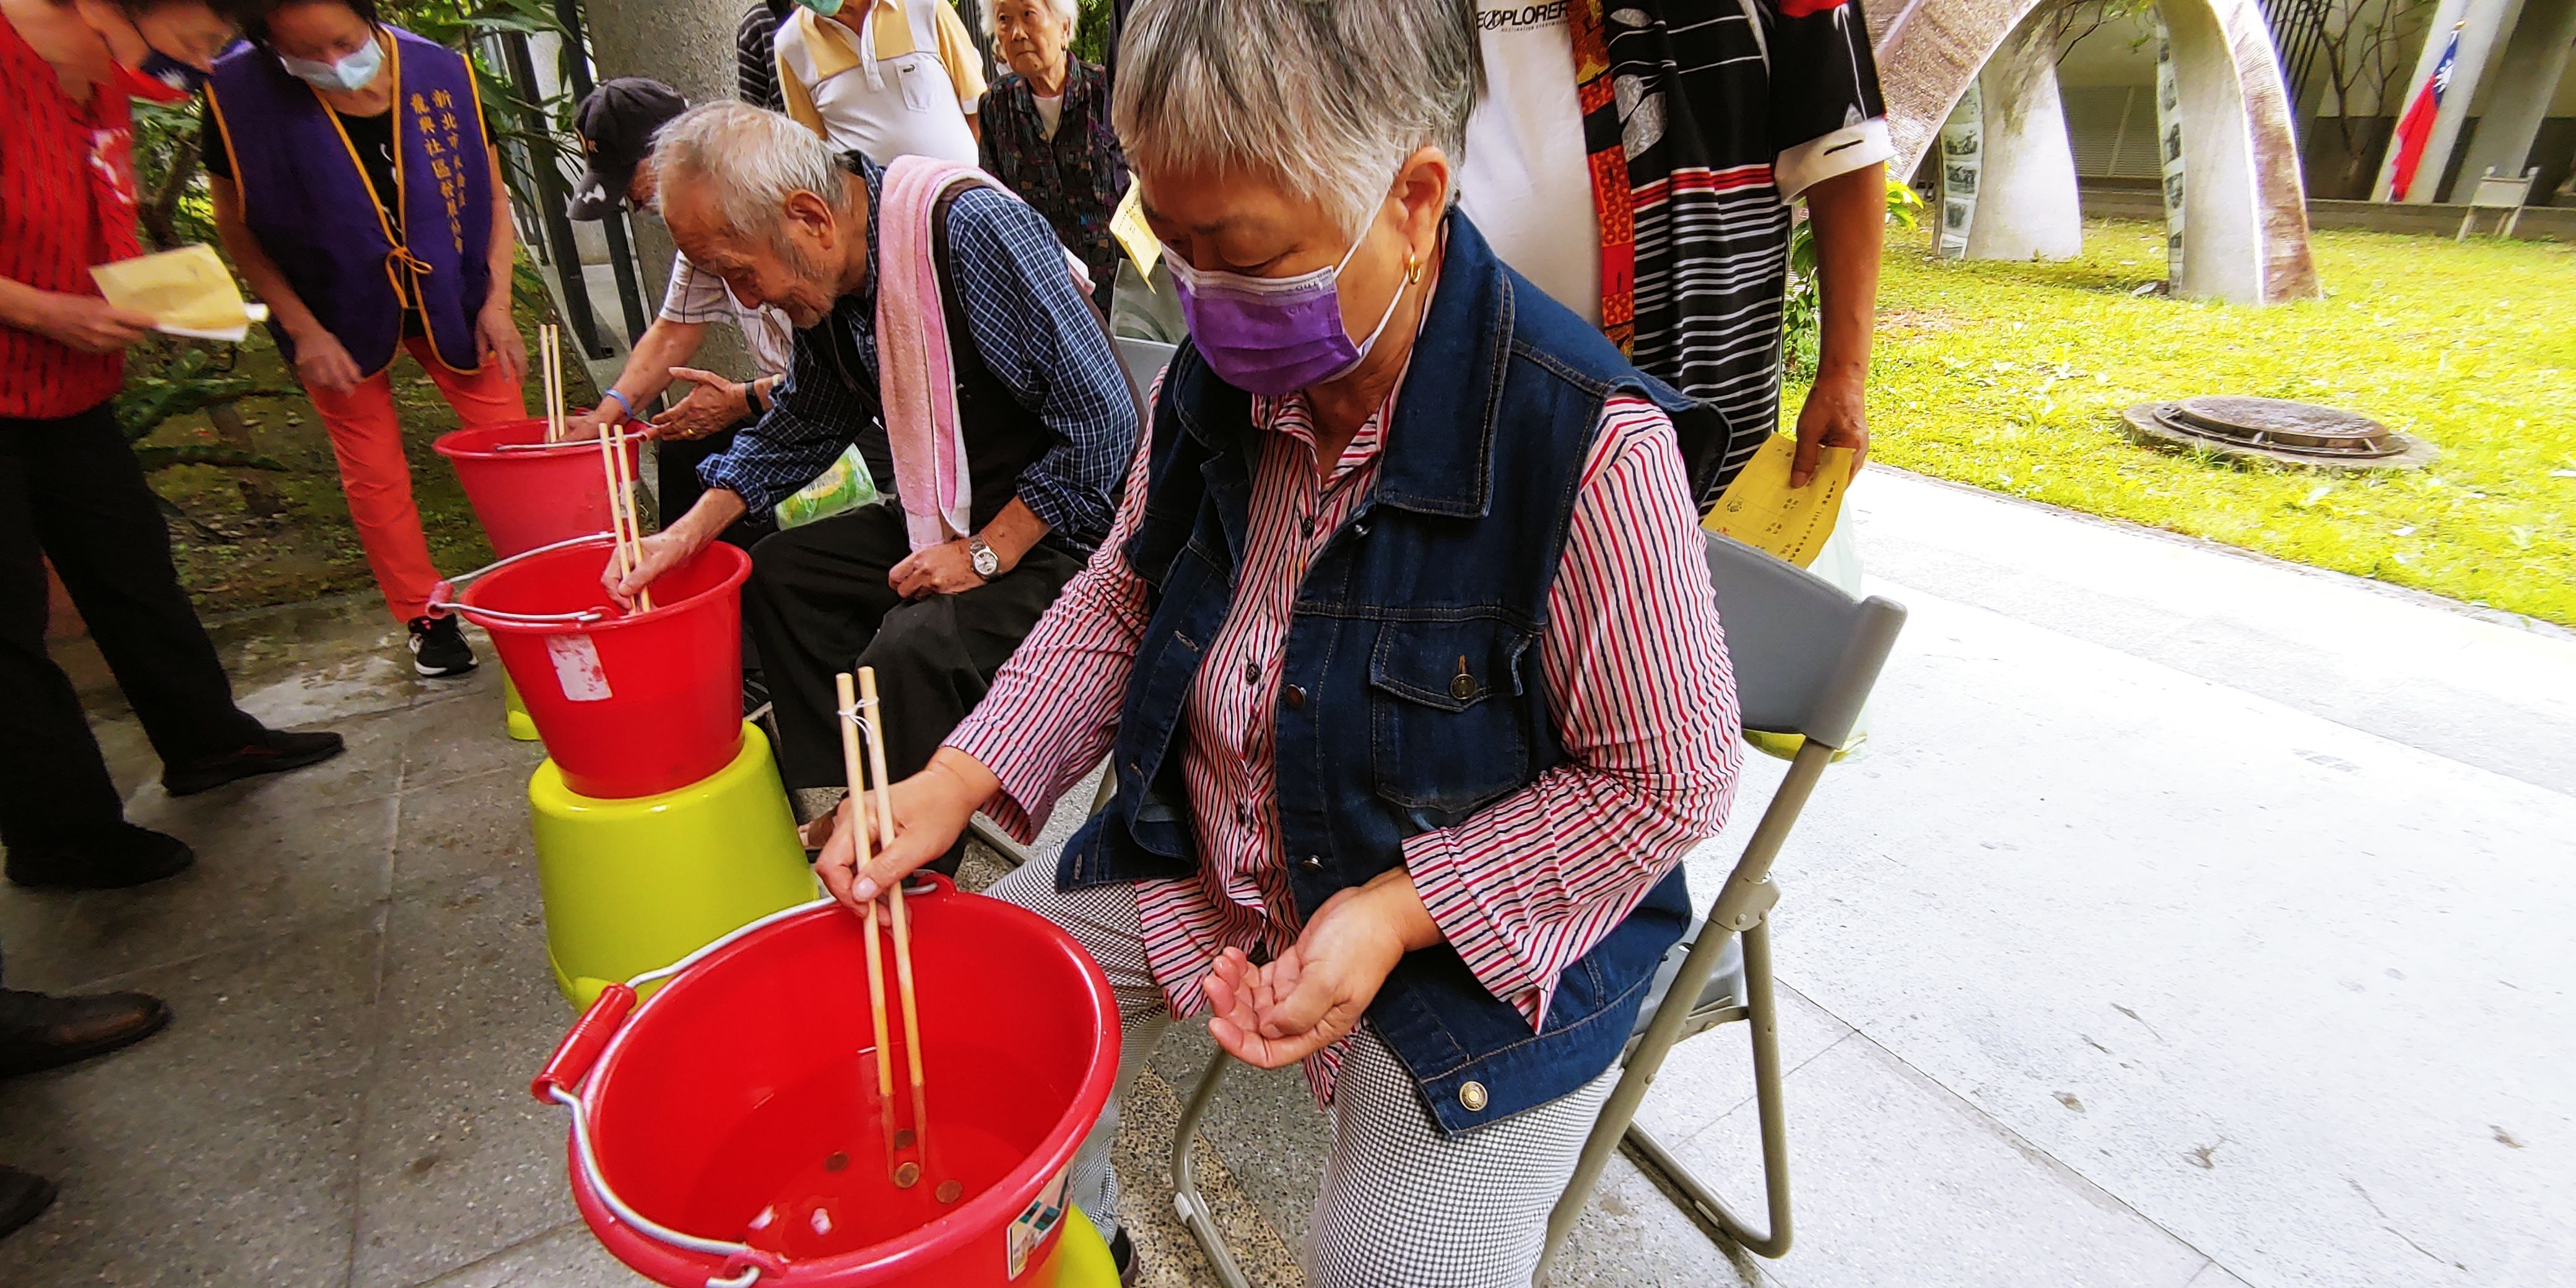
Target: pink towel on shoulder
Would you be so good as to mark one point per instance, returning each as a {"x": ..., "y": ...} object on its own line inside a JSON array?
[{"x": 916, "y": 379}]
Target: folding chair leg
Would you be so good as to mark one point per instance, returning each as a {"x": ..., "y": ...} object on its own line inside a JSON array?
[
  {"x": 1194, "y": 1211},
  {"x": 1763, "y": 1016},
  {"x": 1740, "y": 908},
  {"x": 1016, "y": 854},
  {"x": 990, "y": 833}
]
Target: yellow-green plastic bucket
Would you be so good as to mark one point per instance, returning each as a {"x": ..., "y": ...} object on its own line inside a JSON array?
[{"x": 633, "y": 885}]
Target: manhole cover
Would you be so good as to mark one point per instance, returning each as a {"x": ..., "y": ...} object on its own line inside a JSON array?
[{"x": 2278, "y": 432}]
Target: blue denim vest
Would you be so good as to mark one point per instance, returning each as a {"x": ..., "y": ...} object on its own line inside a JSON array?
[{"x": 1411, "y": 693}]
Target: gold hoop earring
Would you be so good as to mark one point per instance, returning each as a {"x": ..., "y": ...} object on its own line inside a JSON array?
[{"x": 1412, "y": 269}]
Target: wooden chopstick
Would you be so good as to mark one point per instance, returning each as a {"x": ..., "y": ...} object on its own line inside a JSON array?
[
  {"x": 634, "y": 526},
  {"x": 876, "y": 971},
  {"x": 902, "y": 920},
  {"x": 613, "y": 478}
]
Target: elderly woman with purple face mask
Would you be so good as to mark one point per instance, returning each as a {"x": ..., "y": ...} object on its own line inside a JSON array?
[{"x": 1402, "y": 650}]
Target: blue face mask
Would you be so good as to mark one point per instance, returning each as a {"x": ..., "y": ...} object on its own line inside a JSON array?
[
  {"x": 822, "y": 8},
  {"x": 350, "y": 73}
]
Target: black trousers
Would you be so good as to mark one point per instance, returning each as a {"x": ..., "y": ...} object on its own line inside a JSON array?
[
  {"x": 70, "y": 489},
  {"x": 818, "y": 604}
]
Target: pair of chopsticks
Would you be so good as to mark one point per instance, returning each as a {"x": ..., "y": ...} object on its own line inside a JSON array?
[
  {"x": 616, "y": 466},
  {"x": 550, "y": 365},
  {"x": 854, "y": 709}
]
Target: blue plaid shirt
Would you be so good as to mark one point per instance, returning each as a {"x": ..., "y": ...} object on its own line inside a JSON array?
[{"x": 1036, "y": 334}]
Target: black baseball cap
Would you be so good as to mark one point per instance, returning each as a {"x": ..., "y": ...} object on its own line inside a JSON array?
[{"x": 616, "y": 122}]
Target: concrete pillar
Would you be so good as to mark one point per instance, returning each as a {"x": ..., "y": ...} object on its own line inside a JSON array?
[
  {"x": 2482, "y": 24},
  {"x": 687, "y": 44},
  {"x": 2526, "y": 78},
  {"x": 2027, "y": 207},
  {"x": 1929, "y": 51},
  {"x": 2226, "y": 159}
]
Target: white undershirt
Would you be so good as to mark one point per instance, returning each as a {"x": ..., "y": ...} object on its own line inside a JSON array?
[
  {"x": 1050, "y": 111},
  {"x": 1525, "y": 182}
]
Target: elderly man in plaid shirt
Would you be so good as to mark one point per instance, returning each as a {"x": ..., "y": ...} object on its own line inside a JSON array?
[{"x": 1048, "y": 419}]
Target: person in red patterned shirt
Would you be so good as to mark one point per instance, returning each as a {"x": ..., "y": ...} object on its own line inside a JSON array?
[{"x": 71, "y": 489}]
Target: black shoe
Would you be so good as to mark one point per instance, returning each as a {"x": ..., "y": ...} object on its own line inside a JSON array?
[
  {"x": 274, "y": 753},
  {"x": 1122, "y": 1253},
  {"x": 24, "y": 1196},
  {"x": 38, "y": 1031},
  {"x": 438, "y": 648},
  {"x": 125, "y": 856}
]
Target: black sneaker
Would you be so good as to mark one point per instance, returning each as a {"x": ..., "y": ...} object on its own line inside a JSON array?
[
  {"x": 24, "y": 1196},
  {"x": 274, "y": 753},
  {"x": 438, "y": 649},
  {"x": 125, "y": 856}
]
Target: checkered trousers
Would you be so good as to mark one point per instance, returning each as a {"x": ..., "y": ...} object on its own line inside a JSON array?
[{"x": 1401, "y": 1206}]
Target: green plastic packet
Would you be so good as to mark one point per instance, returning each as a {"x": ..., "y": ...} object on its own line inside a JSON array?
[{"x": 845, "y": 486}]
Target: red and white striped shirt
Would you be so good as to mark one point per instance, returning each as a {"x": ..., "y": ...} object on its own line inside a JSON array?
[
  {"x": 66, "y": 202},
  {"x": 1637, "y": 679}
]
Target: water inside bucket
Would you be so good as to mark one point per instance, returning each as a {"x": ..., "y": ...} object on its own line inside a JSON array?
[{"x": 804, "y": 1175}]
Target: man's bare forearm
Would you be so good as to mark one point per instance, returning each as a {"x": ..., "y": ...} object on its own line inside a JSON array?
[{"x": 1849, "y": 212}]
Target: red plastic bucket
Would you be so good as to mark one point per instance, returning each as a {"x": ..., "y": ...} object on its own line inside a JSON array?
[
  {"x": 726, "y": 1111},
  {"x": 629, "y": 704},
  {"x": 531, "y": 495}
]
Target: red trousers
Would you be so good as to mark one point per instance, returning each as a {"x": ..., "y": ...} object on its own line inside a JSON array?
[{"x": 367, "y": 439}]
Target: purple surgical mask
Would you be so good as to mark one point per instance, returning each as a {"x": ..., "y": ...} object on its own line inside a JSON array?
[{"x": 1272, "y": 335}]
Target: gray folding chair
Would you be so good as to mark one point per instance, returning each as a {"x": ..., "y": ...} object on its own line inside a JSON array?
[
  {"x": 1805, "y": 658},
  {"x": 1143, "y": 360}
]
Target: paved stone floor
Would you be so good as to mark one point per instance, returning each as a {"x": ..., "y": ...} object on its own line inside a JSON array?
[{"x": 2190, "y": 920}]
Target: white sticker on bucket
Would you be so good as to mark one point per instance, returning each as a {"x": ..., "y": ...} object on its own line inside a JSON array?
[
  {"x": 1036, "y": 1221},
  {"x": 577, "y": 668}
]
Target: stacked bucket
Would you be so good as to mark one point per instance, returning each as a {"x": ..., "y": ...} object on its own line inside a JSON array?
[{"x": 659, "y": 819}]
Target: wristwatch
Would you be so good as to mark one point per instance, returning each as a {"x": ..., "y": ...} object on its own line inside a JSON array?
[{"x": 987, "y": 564}]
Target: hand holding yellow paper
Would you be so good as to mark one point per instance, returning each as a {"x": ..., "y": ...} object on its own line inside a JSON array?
[
  {"x": 1761, "y": 510},
  {"x": 187, "y": 291}
]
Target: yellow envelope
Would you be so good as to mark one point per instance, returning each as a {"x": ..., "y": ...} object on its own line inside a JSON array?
[
  {"x": 1761, "y": 510},
  {"x": 1127, "y": 224},
  {"x": 187, "y": 291}
]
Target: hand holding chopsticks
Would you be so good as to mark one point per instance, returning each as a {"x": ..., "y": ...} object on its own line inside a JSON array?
[{"x": 860, "y": 711}]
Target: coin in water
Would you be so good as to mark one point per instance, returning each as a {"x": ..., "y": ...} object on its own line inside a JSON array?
[
  {"x": 836, "y": 1161},
  {"x": 907, "y": 1176},
  {"x": 950, "y": 1190},
  {"x": 903, "y": 1138}
]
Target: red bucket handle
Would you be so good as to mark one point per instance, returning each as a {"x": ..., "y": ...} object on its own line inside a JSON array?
[{"x": 580, "y": 1048}]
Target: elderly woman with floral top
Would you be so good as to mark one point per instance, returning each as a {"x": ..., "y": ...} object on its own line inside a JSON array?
[{"x": 1046, "y": 130}]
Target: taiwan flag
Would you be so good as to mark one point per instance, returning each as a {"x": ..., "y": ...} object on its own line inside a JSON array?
[{"x": 2415, "y": 129}]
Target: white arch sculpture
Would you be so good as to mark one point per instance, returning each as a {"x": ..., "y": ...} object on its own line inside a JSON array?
[{"x": 2245, "y": 207}]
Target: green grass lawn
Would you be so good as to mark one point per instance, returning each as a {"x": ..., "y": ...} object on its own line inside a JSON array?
[{"x": 2012, "y": 376}]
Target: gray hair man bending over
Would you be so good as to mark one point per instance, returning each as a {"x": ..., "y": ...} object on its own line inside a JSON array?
[{"x": 1046, "y": 413}]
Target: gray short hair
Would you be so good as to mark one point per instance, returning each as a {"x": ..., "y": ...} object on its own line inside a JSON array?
[
  {"x": 755, "y": 159},
  {"x": 1068, "y": 12},
  {"x": 1329, "y": 96}
]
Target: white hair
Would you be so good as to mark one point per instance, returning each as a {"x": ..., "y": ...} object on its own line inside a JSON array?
[
  {"x": 1328, "y": 96},
  {"x": 756, "y": 160},
  {"x": 1068, "y": 12}
]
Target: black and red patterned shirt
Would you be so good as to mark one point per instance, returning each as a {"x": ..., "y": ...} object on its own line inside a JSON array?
[
  {"x": 66, "y": 203},
  {"x": 1723, "y": 111}
]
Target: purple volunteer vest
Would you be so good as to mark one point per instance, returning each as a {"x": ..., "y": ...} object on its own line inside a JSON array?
[{"x": 305, "y": 197}]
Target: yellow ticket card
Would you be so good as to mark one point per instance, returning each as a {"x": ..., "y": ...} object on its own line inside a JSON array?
[
  {"x": 1761, "y": 510},
  {"x": 187, "y": 291},
  {"x": 1127, "y": 224}
]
